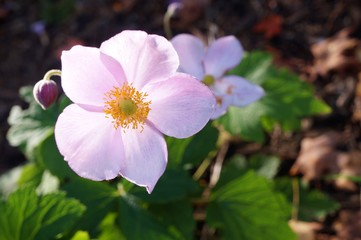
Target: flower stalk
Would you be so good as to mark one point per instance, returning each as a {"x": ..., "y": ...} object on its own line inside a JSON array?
[
  {"x": 50, "y": 73},
  {"x": 171, "y": 11}
]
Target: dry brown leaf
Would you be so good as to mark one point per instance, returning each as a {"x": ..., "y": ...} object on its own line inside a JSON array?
[
  {"x": 350, "y": 166},
  {"x": 348, "y": 225},
  {"x": 123, "y": 5},
  {"x": 356, "y": 116},
  {"x": 339, "y": 53},
  {"x": 317, "y": 156},
  {"x": 305, "y": 230},
  {"x": 270, "y": 26}
]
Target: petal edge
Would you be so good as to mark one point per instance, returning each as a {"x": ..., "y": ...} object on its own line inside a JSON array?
[{"x": 181, "y": 106}]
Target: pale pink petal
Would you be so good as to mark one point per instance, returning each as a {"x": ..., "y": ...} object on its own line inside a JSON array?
[
  {"x": 181, "y": 106},
  {"x": 87, "y": 74},
  {"x": 191, "y": 52},
  {"x": 89, "y": 142},
  {"x": 144, "y": 58},
  {"x": 145, "y": 156},
  {"x": 222, "y": 55},
  {"x": 223, "y": 102},
  {"x": 243, "y": 92},
  {"x": 219, "y": 111}
]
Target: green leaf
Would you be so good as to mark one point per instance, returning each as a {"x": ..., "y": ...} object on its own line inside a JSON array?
[
  {"x": 189, "y": 152},
  {"x": 175, "y": 184},
  {"x": 81, "y": 235},
  {"x": 47, "y": 154},
  {"x": 263, "y": 165},
  {"x": 177, "y": 215},
  {"x": 56, "y": 12},
  {"x": 136, "y": 222},
  {"x": 9, "y": 181},
  {"x": 98, "y": 197},
  {"x": 35, "y": 175},
  {"x": 254, "y": 67},
  {"x": 200, "y": 146},
  {"x": 244, "y": 122},
  {"x": 49, "y": 183},
  {"x": 28, "y": 216},
  {"x": 31, "y": 174},
  {"x": 176, "y": 148},
  {"x": 286, "y": 102},
  {"x": 110, "y": 229},
  {"x": 247, "y": 208},
  {"x": 30, "y": 126},
  {"x": 313, "y": 204}
]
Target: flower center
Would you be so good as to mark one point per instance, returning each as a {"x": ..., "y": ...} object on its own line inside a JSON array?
[
  {"x": 208, "y": 80},
  {"x": 127, "y": 107}
]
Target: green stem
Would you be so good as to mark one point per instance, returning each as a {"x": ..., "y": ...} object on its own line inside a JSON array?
[
  {"x": 201, "y": 169},
  {"x": 296, "y": 198},
  {"x": 216, "y": 172},
  {"x": 200, "y": 201},
  {"x": 172, "y": 8},
  {"x": 50, "y": 73},
  {"x": 166, "y": 24}
]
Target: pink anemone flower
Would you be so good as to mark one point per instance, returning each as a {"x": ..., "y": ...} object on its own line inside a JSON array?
[
  {"x": 126, "y": 95},
  {"x": 210, "y": 66}
]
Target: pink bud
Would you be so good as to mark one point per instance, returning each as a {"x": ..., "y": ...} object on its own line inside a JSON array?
[{"x": 45, "y": 93}]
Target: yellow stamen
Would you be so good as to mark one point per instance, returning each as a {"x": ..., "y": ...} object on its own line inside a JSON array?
[
  {"x": 127, "y": 107},
  {"x": 208, "y": 80}
]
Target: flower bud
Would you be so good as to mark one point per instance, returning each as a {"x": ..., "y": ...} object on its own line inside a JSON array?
[{"x": 45, "y": 93}]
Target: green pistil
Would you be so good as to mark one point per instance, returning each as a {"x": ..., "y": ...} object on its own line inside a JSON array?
[
  {"x": 127, "y": 106},
  {"x": 208, "y": 80}
]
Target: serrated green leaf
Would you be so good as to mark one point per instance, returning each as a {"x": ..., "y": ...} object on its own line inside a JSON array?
[
  {"x": 313, "y": 204},
  {"x": 28, "y": 216},
  {"x": 177, "y": 215},
  {"x": 247, "y": 208},
  {"x": 136, "y": 222},
  {"x": 35, "y": 175},
  {"x": 9, "y": 181},
  {"x": 49, "y": 184},
  {"x": 26, "y": 94},
  {"x": 319, "y": 107},
  {"x": 31, "y": 174},
  {"x": 30, "y": 126},
  {"x": 175, "y": 184},
  {"x": 98, "y": 197}
]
